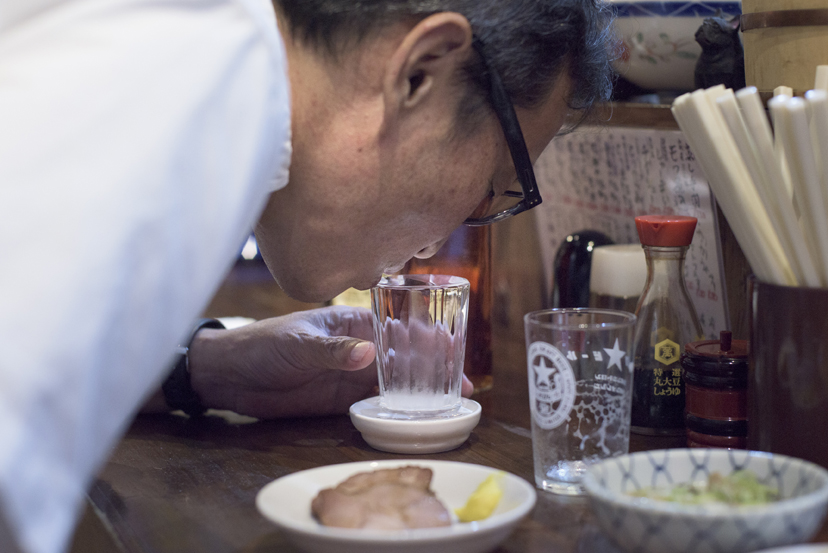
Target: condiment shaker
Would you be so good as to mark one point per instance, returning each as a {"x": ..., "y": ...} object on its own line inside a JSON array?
[{"x": 716, "y": 381}]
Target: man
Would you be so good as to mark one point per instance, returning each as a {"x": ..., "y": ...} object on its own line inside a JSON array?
[{"x": 140, "y": 141}]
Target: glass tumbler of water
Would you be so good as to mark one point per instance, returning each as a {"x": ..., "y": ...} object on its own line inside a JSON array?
[
  {"x": 580, "y": 370},
  {"x": 420, "y": 331}
]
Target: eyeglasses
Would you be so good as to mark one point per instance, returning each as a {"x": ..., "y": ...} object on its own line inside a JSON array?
[{"x": 511, "y": 202}]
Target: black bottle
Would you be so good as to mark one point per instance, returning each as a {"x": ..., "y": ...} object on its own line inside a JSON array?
[{"x": 572, "y": 266}]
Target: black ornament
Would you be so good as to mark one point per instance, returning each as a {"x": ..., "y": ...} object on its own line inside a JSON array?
[{"x": 722, "y": 60}]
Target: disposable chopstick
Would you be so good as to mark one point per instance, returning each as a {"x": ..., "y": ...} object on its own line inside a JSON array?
[
  {"x": 762, "y": 139},
  {"x": 821, "y": 80},
  {"x": 818, "y": 102},
  {"x": 783, "y": 91},
  {"x": 748, "y": 202},
  {"x": 729, "y": 177},
  {"x": 726, "y": 187},
  {"x": 792, "y": 120},
  {"x": 700, "y": 144},
  {"x": 738, "y": 129},
  {"x": 780, "y": 154}
]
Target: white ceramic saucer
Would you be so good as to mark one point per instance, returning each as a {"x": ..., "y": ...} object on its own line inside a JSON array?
[{"x": 403, "y": 435}]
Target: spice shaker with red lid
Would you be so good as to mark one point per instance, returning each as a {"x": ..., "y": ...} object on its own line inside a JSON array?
[{"x": 716, "y": 381}]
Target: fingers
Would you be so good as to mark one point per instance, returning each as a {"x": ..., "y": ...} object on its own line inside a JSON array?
[
  {"x": 467, "y": 388},
  {"x": 333, "y": 352},
  {"x": 346, "y": 321},
  {"x": 334, "y": 338},
  {"x": 362, "y": 354}
]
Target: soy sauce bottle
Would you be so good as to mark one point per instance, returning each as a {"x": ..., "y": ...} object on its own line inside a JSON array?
[{"x": 666, "y": 321}]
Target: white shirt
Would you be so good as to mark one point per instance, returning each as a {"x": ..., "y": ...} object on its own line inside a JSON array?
[{"x": 139, "y": 140}]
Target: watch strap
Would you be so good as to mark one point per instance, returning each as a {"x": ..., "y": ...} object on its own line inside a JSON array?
[{"x": 177, "y": 388}]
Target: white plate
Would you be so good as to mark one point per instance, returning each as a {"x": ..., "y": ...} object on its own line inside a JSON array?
[
  {"x": 286, "y": 502},
  {"x": 414, "y": 436}
]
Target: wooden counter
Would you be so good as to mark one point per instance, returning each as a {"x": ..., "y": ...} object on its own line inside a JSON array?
[{"x": 178, "y": 485}]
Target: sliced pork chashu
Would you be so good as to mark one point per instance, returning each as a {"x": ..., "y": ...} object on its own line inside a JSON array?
[{"x": 385, "y": 499}]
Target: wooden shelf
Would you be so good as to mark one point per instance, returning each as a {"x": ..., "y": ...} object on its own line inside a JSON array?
[{"x": 626, "y": 114}]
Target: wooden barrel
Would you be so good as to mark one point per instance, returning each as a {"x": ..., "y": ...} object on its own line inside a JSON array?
[{"x": 784, "y": 41}]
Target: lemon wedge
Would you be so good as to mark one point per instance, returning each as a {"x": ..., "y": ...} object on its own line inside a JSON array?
[{"x": 482, "y": 503}]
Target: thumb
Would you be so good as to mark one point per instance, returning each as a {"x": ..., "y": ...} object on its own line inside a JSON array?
[{"x": 344, "y": 353}]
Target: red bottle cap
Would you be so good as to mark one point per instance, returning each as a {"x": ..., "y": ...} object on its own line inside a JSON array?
[{"x": 665, "y": 230}]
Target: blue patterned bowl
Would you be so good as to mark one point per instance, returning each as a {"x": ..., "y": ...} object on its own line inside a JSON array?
[
  {"x": 659, "y": 45},
  {"x": 647, "y": 525}
]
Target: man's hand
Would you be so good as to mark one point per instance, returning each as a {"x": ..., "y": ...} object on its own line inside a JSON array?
[{"x": 308, "y": 363}]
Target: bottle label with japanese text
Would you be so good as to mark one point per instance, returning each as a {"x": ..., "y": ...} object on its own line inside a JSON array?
[{"x": 667, "y": 371}]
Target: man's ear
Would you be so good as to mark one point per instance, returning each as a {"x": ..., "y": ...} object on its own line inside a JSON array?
[{"x": 427, "y": 60}]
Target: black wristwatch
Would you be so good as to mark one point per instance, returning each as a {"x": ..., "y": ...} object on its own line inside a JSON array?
[{"x": 178, "y": 391}]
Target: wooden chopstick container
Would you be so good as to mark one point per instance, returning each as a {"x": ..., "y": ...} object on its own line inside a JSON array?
[
  {"x": 788, "y": 371},
  {"x": 784, "y": 42}
]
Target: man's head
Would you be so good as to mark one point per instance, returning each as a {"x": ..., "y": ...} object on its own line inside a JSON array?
[{"x": 395, "y": 139}]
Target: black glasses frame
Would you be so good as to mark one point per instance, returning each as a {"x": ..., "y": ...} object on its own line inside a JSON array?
[{"x": 505, "y": 111}]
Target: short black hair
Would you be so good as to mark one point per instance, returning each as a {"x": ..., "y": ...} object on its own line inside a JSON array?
[{"x": 528, "y": 42}]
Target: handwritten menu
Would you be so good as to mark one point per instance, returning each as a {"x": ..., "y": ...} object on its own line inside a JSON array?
[{"x": 601, "y": 178}]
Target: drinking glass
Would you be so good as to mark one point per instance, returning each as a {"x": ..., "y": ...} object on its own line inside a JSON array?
[
  {"x": 420, "y": 330},
  {"x": 468, "y": 253},
  {"x": 580, "y": 391}
]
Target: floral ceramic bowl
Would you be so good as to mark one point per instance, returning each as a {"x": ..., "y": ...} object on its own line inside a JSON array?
[
  {"x": 648, "y": 525},
  {"x": 659, "y": 47}
]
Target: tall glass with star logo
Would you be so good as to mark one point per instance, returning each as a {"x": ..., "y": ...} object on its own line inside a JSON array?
[
  {"x": 579, "y": 364},
  {"x": 667, "y": 321}
]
